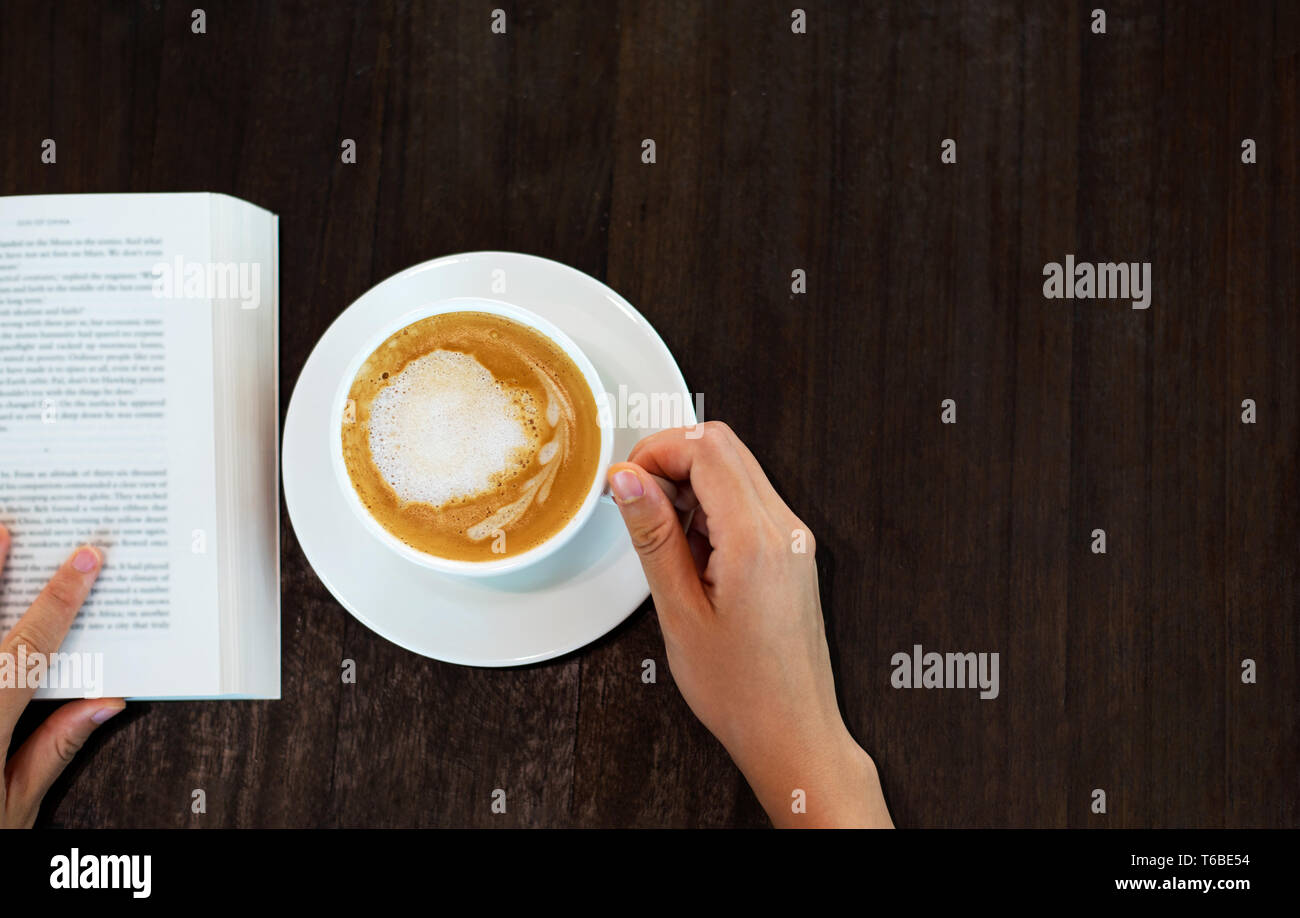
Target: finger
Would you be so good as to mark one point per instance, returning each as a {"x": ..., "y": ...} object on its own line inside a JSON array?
[
  {"x": 680, "y": 493},
  {"x": 658, "y": 538},
  {"x": 685, "y": 501},
  {"x": 42, "y": 629},
  {"x": 778, "y": 510},
  {"x": 715, "y": 471},
  {"x": 700, "y": 551},
  {"x": 699, "y": 522},
  {"x": 5, "y": 541},
  {"x": 40, "y": 760},
  {"x": 670, "y": 488}
]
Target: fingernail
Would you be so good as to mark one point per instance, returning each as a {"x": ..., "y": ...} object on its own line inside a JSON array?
[
  {"x": 626, "y": 486},
  {"x": 86, "y": 560},
  {"x": 104, "y": 714}
]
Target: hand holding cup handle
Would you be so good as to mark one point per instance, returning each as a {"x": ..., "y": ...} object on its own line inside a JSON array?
[{"x": 733, "y": 575}]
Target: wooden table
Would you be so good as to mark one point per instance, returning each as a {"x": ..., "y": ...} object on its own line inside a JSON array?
[{"x": 778, "y": 151}]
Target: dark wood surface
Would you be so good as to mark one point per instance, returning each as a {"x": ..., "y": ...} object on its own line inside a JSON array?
[{"x": 778, "y": 151}]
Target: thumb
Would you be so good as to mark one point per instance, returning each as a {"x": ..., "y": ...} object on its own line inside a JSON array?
[
  {"x": 47, "y": 752},
  {"x": 658, "y": 537}
]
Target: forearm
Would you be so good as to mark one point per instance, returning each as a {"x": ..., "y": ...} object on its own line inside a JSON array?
[{"x": 833, "y": 784}]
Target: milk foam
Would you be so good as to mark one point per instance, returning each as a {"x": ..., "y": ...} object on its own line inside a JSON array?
[{"x": 445, "y": 428}]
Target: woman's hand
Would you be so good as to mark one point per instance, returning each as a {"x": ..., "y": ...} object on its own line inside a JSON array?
[
  {"x": 738, "y": 602},
  {"x": 42, "y": 758}
]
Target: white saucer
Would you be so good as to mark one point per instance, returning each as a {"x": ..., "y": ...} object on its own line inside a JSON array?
[{"x": 561, "y": 603}]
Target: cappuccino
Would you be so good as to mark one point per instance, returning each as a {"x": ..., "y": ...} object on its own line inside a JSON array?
[{"x": 470, "y": 436}]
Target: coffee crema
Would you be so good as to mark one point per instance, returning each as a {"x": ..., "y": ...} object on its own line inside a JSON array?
[{"x": 470, "y": 436}]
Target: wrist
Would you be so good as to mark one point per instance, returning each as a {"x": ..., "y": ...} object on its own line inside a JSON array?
[{"x": 826, "y": 781}]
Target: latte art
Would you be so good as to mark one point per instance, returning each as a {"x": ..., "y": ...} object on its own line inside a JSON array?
[
  {"x": 551, "y": 455},
  {"x": 421, "y": 438},
  {"x": 470, "y": 436}
]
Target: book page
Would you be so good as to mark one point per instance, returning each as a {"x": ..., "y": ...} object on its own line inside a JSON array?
[
  {"x": 106, "y": 432},
  {"x": 246, "y": 410}
]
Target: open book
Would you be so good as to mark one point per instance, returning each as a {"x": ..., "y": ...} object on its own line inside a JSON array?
[{"x": 139, "y": 412}]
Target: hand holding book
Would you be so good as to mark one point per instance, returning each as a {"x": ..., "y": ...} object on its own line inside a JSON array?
[
  {"x": 27, "y": 650},
  {"x": 138, "y": 410}
]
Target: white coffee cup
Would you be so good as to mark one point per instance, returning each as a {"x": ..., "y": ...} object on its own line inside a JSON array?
[{"x": 450, "y": 565}]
